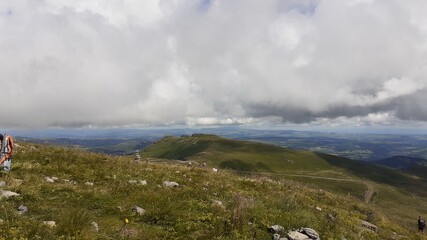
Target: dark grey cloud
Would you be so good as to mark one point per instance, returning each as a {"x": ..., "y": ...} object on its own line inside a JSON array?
[{"x": 89, "y": 63}]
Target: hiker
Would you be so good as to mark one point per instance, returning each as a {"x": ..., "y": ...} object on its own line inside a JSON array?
[
  {"x": 421, "y": 225},
  {"x": 6, "y": 142}
]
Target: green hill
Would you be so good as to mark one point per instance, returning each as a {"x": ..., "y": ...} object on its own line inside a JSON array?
[
  {"x": 387, "y": 188},
  {"x": 258, "y": 157}
]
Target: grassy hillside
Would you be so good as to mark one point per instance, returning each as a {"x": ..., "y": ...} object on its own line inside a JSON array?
[
  {"x": 403, "y": 196},
  {"x": 90, "y": 187},
  {"x": 257, "y": 157}
]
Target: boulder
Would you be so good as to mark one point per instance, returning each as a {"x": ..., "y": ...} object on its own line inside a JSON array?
[
  {"x": 369, "y": 225},
  {"x": 6, "y": 194},
  {"x": 22, "y": 209},
  {"x": 276, "y": 229},
  {"x": 295, "y": 235},
  {"x": 138, "y": 210},
  {"x": 170, "y": 184},
  {"x": 311, "y": 233}
]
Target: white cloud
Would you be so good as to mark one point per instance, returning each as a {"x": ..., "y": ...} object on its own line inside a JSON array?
[{"x": 128, "y": 62}]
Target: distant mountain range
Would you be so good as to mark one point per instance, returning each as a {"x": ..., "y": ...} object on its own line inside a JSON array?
[
  {"x": 365, "y": 147},
  {"x": 402, "y": 162}
]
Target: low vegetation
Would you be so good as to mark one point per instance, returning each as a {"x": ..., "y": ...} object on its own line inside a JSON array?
[{"x": 79, "y": 190}]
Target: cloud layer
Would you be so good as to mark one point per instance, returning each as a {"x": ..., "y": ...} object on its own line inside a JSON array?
[{"x": 76, "y": 63}]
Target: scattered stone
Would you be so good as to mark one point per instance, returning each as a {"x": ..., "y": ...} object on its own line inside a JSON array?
[
  {"x": 310, "y": 233},
  {"x": 369, "y": 226},
  {"x": 300, "y": 234},
  {"x": 143, "y": 182},
  {"x": 276, "y": 229},
  {"x": 205, "y": 189},
  {"x": 132, "y": 181},
  {"x": 50, "y": 180},
  {"x": 218, "y": 203},
  {"x": 33, "y": 148},
  {"x": 215, "y": 170},
  {"x": 2, "y": 183},
  {"x": 1, "y": 221},
  {"x": 89, "y": 183},
  {"x": 170, "y": 184},
  {"x": 22, "y": 209},
  {"x": 318, "y": 209},
  {"x": 294, "y": 235},
  {"x": 95, "y": 226},
  {"x": 330, "y": 217},
  {"x": 6, "y": 194},
  {"x": 50, "y": 223},
  {"x": 54, "y": 178},
  {"x": 138, "y": 210},
  {"x": 114, "y": 177},
  {"x": 177, "y": 172}
]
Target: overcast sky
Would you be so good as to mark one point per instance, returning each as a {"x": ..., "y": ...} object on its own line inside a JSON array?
[{"x": 130, "y": 63}]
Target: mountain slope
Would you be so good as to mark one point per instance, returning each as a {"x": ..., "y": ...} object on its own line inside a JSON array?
[
  {"x": 76, "y": 188},
  {"x": 258, "y": 157}
]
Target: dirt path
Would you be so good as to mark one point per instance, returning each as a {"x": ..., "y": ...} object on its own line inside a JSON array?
[
  {"x": 369, "y": 192},
  {"x": 369, "y": 186}
]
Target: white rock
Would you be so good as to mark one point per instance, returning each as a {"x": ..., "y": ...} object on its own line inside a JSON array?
[
  {"x": 50, "y": 223},
  {"x": 310, "y": 232},
  {"x": 276, "y": 229},
  {"x": 95, "y": 226},
  {"x": 89, "y": 183},
  {"x": 318, "y": 209},
  {"x": 218, "y": 203},
  {"x": 54, "y": 178},
  {"x": 170, "y": 184},
  {"x": 6, "y": 194},
  {"x": 143, "y": 182},
  {"x": 50, "y": 180},
  {"x": 215, "y": 170},
  {"x": 132, "y": 181},
  {"x": 138, "y": 210},
  {"x": 294, "y": 235},
  {"x": 22, "y": 209}
]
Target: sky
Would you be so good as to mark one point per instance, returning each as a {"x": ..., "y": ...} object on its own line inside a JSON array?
[{"x": 132, "y": 63}]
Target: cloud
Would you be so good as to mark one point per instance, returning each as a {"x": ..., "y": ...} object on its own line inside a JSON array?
[{"x": 157, "y": 62}]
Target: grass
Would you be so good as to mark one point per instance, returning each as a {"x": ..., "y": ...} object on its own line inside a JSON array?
[{"x": 249, "y": 203}]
